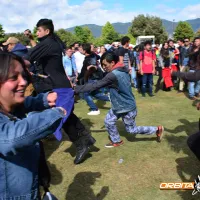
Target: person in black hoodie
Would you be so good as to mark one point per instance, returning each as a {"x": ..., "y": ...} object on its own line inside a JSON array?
[
  {"x": 47, "y": 54},
  {"x": 91, "y": 73}
]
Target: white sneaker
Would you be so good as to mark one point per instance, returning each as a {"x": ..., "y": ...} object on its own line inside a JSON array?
[{"x": 94, "y": 112}]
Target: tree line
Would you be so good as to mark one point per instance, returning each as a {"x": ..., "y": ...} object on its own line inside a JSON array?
[{"x": 141, "y": 25}]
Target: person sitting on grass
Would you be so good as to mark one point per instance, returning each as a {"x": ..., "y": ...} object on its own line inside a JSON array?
[{"x": 122, "y": 100}]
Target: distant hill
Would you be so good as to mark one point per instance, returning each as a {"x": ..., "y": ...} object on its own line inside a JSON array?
[{"x": 122, "y": 28}]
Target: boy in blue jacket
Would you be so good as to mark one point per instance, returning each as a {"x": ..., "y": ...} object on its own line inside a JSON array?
[{"x": 122, "y": 101}]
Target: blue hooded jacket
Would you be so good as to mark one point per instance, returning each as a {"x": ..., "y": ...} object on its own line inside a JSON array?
[{"x": 20, "y": 50}]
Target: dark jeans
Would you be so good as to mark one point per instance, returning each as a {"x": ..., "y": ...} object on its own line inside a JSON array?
[
  {"x": 159, "y": 69},
  {"x": 147, "y": 81},
  {"x": 73, "y": 127}
]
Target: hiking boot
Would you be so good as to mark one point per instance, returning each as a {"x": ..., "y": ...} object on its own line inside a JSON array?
[
  {"x": 82, "y": 147},
  {"x": 151, "y": 95},
  {"x": 111, "y": 144},
  {"x": 193, "y": 98},
  {"x": 159, "y": 133}
]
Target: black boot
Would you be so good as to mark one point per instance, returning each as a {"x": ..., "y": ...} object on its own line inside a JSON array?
[{"x": 82, "y": 146}]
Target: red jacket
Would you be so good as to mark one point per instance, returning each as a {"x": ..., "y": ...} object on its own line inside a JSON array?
[{"x": 166, "y": 73}]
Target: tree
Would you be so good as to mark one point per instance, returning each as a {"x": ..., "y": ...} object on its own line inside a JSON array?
[
  {"x": 35, "y": 33},
  {"x": 109, "y": 35},
  {"x": 98, "y": 42},
  {"x": 20, "y": 36},
  {"x": 83, "y": 34},
  {"x": 183, "y": 30},
  {"x": 132, "y": 39},
  {"x": 2, "y": 33},
  {"x": 67, "y": 37},
  {"x": 88, "y": 32},
  {"x": 197, "y": 34},
  {"x": 148, "y": 25}
]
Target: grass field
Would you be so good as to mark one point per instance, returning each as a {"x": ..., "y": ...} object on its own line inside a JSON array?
[{"x": 146, "y": 163}]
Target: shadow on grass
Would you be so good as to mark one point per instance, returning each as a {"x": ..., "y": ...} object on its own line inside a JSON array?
[
  {"x": 89, "y": 125},
  {"x": 72, "y": 150},
  {"x": 81, "y": 187},
  {"x": 187, "y": 126},
  {"x": 101, "y": 104},
  {"x": 51, "y": 145},
  {"x": 187, "y": 166}
]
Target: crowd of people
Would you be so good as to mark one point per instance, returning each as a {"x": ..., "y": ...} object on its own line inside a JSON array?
[
  {"x": 38, "y": 86},
  {"x": 144, "y": 61}
]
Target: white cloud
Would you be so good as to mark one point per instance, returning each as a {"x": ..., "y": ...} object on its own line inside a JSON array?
[
  {"x": 170, "y": 13},
  {"x": 191, "y": 12},
  {"x": 22, "y": 14}
]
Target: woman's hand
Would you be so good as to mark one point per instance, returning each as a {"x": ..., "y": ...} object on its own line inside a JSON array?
[{"x": 51, "y": 98}]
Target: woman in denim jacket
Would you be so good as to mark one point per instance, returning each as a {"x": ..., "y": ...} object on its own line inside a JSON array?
[{"x": 20, "y": 133}]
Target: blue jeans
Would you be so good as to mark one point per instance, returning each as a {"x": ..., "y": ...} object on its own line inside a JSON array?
[
  {"x": 130, "y": 125},
  {"x": 147, "y": 80},
  {"x": 134, "y": 77},
  {"x": 99, "y": 94},
  {"x": 193, "y": 87}
]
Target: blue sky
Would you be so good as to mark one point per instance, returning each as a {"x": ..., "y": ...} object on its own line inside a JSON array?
[
  {"x": 68, "y": 13},
  {"x": 147, "y": 6}
]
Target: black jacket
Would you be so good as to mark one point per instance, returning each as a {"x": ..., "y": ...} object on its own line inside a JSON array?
[
  {"x": 91, "y": 60},
  {"x": 48, "y": 57}
]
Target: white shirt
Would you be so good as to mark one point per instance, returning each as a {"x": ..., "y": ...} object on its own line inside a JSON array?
[{"x": 79, "y": 58}]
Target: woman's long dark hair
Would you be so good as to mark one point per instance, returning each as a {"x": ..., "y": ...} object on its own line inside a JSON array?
[
  {"x": 164, "y": 52},
  {"x": 5, "y": 65}
]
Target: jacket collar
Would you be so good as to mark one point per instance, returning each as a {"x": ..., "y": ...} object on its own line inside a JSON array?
[{"x": 118, "y": 65}]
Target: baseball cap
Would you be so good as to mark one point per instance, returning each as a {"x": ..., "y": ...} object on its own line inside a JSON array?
[{"x": 11, "y": 40}]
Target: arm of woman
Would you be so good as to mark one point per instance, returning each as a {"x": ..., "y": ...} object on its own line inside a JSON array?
[
  {"x": 16, "y": 135},
  {"x": 40, "y": 102}
]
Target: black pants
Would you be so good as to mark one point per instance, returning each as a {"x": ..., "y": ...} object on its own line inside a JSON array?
[
  {"x": 159, "y": 69},
  {"x": 73, "y": 127},
  {"x": 194, "y": 144}
]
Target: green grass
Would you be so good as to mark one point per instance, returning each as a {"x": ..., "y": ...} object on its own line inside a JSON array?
[{"x": 146, "y": 162}]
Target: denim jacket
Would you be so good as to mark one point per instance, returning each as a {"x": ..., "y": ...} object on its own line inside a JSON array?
[
  {"x": 119, "y": 82},
  {"x": 19, "y": 150},
  {"x": 69, "y": 65},
  {"x": 122, "y": 99}
]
